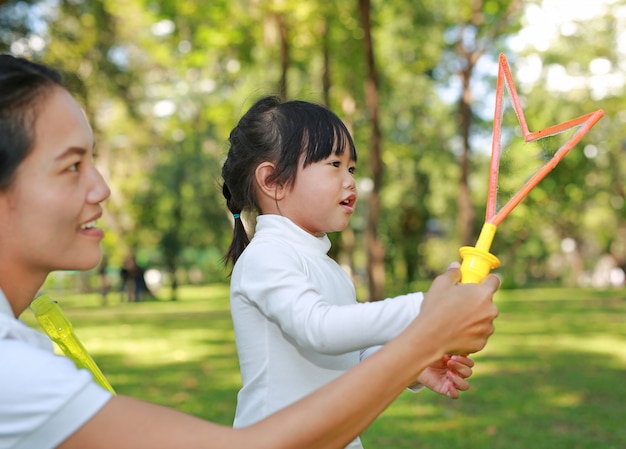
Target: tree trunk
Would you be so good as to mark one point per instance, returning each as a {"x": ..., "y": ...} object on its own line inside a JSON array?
[
  {"x": 284, "y": 55},
  {"x": 464, "y": 202},
  {"x": 374, "y": 248},
  {"x": 326, "y": 67},
  {"x": 344, "y": 254},
  {"x": 469, "y": 52}
]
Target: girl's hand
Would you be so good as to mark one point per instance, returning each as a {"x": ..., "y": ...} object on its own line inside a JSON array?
[{"x": 448, "y": 375}]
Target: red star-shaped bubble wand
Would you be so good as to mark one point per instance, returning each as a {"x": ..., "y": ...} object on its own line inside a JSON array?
[{"x": 477, "y": 260}]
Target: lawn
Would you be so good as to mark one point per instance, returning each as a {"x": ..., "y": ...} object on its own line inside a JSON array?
[{"x": 552, "y": 376}]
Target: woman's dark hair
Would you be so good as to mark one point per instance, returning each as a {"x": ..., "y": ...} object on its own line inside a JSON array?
[
  {"x": 285, "y": 134},
  {"x": 23, "y": 85}
]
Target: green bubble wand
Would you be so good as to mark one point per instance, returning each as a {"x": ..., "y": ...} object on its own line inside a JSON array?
[{"x": 59, "y": 328}]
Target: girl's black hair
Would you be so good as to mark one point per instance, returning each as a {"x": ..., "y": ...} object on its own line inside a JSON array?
[
  {"x": 286, "y": 134},
  {"x": 23, "y": 85}
]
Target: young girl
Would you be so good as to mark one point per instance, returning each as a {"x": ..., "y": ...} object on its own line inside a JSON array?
[
  {"x": 50, "y": 200},
  {"x": 297, "y": 323}
]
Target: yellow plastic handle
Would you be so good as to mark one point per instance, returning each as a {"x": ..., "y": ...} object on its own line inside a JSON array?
[
  {"x": 477, "y": 261},
  {"x": 476, "y": 264}
]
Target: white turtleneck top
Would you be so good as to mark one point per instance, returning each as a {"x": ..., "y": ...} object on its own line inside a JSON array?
[{"x": 297, "y": 322}]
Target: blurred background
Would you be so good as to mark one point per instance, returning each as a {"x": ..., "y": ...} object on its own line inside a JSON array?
[{"x": 164, "y": 82}]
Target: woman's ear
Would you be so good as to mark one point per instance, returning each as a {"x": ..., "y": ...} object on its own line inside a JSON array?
[{"x": 267, "y": 187}]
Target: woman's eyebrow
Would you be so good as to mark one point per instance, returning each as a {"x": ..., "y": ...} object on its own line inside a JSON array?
[{"x": 70, "y": 152}]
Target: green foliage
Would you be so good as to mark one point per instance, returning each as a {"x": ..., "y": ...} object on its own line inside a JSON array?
[{"x": 164, "y": 83}]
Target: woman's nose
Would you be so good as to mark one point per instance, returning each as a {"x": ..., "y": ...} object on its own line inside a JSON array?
[{"x": 99, "y": 190}]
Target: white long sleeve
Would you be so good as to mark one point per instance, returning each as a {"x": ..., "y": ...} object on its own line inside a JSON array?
[
  {"x": 316, "y": 306},
  {"x": 296, "y": 319}
]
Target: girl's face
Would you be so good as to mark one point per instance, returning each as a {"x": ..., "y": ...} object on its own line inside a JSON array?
[
  {"x": 48, "y": 216},
  {"x": 323, "y": 196}
]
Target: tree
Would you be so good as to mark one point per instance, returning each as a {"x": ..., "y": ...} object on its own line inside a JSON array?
[
  {"x": 374, "y": 248},
  {"x": 480, "y": 24}
]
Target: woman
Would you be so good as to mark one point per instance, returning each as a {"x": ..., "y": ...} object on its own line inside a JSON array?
[{"x": 50, "y": 201}]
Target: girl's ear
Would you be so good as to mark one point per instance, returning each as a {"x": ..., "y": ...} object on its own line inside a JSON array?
[{"x": 270, "y": 189}]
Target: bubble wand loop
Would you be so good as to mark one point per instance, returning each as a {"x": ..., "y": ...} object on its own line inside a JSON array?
[{"x": 477, "y": 261}]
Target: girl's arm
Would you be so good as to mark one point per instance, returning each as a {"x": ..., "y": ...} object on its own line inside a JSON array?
[
  {"x": 274, "y": 279},
  {"x": 455, "y": 318}
]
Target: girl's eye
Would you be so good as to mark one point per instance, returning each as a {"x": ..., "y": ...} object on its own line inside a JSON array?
[
  {"x": 73, "y": 167},
  {"x": 335, "y": 163},
  {"x": 352, "y": 170}
]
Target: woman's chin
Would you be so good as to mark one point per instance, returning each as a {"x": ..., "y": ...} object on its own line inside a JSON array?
[{"x": 83, "y": 262}]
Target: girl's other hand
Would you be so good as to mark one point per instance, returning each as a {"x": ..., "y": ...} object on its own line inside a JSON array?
[{"x": 447, "y": 376}]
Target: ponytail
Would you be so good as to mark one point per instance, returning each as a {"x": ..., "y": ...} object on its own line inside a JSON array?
[{"x": 240, "y": 236}]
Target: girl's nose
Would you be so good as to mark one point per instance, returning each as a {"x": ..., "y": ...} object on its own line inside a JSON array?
[{"x": 350, "y": 182}]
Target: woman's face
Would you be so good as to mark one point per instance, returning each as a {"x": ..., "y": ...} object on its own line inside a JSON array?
[{"x": 48, "y": 216}]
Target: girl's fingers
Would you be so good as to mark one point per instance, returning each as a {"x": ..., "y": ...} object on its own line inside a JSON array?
[
  {"x": 457, "y": 381},
  {"x": 461, "y": 360},
  {"x": 461, "y": 365}
]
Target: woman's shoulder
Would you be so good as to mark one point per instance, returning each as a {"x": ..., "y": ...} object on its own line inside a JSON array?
[{"x": 44, "y": 397}]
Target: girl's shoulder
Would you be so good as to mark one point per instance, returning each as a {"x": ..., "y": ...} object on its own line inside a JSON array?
[
  {"x": 267, "y": 249},
  {"x": 266, "y": 260}
]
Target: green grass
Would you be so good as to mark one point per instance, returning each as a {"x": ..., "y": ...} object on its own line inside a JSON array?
[{"x": 552, "y": 376}]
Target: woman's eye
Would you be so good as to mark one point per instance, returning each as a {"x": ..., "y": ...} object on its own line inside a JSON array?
[{"x": 73, "y": 167}]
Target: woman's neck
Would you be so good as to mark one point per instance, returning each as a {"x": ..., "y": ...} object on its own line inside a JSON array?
[{"x": 19, "y": 290}]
